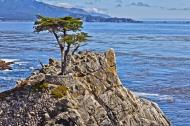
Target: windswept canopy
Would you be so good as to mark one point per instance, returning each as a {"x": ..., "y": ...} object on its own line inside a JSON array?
[
  {"x": 75, "y": 38},
  {"x": 57, "y": 24},
  {"x": 68, "y": 42}
]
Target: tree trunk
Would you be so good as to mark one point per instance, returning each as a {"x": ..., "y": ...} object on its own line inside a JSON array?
[
  {"x": 75, "y": 49},
  {"x": 62, "y": 47},
  {"x": 65, "y": 59},
  {"x": 62, "y": 60}
]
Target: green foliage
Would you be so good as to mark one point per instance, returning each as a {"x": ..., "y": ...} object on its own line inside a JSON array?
[
  {"x": 59, "y": 91},
  {"x": 40, "y": 87},
  {"x": 57, "y": 24},
  {"x": 75, "y": 38}
]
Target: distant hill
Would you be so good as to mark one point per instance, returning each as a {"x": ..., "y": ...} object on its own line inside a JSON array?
[{"x": 26, "y": 10}]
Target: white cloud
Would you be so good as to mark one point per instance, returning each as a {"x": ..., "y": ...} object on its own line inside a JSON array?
[
  {"x": 93, "y": 10},
  {"x": 66, "y": 5}
]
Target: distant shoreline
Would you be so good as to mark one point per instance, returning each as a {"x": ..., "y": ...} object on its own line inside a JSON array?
[
  {"x": 133, "y": 21},
  {"x": 91, "y": 21}
]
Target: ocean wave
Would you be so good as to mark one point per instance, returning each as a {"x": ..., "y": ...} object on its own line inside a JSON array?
[
  {"x": 21, "y": 63},
  {"x": 159, "y": 97},
  {"x": 145, "y": 94},
  {"x": 16, "y": 61},
  {"x": 10, "y": 78},
  {"x": 6, "y": 71},
  {"x": 159, "y": 38},
  {"x": 185, "y": 90},
  {"x": 14, "y": 70}
]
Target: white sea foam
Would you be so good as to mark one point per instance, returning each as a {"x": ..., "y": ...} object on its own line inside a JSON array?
[
  {"x": 4, "y": 71},
  {"x": 145, "y": 94},
  {"x": 21, "y": 63},
  {"x": 14, "y": 70},
  {"x": 167, "y": 98},
  {"x": 10, "y": 60},
  {"x": 8, "y": 78},
  {"x": 16, "y": 61},
  {"x": 31, "y": 68}
]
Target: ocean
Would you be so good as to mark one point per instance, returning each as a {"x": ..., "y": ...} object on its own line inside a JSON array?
[{"x": 153, "y": 58}]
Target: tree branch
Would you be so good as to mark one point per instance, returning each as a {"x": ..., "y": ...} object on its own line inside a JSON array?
[
  {"x": 56, "y": 36},
  {"x": 58, "y": 41},
  {"x": 75, "y": 49}
]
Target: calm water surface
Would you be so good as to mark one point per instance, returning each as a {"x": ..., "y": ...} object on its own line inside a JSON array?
[{"x": 153, "y": 58}]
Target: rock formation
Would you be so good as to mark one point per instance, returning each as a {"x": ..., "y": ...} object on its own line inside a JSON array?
[
  {"x": 91, "y": 94},
  {"x": 5, "y": 65}
]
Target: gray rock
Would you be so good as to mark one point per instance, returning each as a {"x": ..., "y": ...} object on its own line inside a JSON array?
[
  {"x": 32, "y": 113},
  {"x": 46, "y": 116},
  {"x": 5, "y": 65},
  {"x": 1, "y": 112}
]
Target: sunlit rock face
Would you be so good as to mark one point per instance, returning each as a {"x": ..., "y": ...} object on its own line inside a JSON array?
[{"x": 91, "y": 95}]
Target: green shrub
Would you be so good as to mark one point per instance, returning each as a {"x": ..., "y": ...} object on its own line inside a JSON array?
[
  {"x": 40, "y": 87},
  {"x": 59, "y": 91}
]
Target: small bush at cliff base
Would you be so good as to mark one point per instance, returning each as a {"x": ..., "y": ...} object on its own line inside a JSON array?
[
  {"x": 59, "y": 91},
  {"x": 40, "y": 87}
]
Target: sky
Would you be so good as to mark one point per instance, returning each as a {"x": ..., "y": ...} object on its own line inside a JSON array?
[{"x": 136, "y": 9}]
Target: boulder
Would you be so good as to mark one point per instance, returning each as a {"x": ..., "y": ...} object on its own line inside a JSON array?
[{"x": 5, "y": 65}]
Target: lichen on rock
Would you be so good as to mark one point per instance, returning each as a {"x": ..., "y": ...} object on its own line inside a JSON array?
[
  {"x": 93, "y": 95},
  {"x": 59, "y": 91}
]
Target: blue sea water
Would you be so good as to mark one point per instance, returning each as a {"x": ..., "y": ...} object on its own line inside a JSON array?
[{"x": 153, "y": 59}]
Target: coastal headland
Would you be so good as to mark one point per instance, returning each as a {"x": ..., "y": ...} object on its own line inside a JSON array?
[{"x": 91, "y": 93}]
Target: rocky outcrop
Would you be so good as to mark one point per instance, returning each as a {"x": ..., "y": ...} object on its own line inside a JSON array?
[
  {"x": 5, "y": 65},
  {"x": 91, "y": 94}
]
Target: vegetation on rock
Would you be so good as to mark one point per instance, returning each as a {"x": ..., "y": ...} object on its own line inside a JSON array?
[
  {"x": 40, "y": 87},
  {"x": 59, "y": 91},
  {"x": 67, "y": 31}
]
